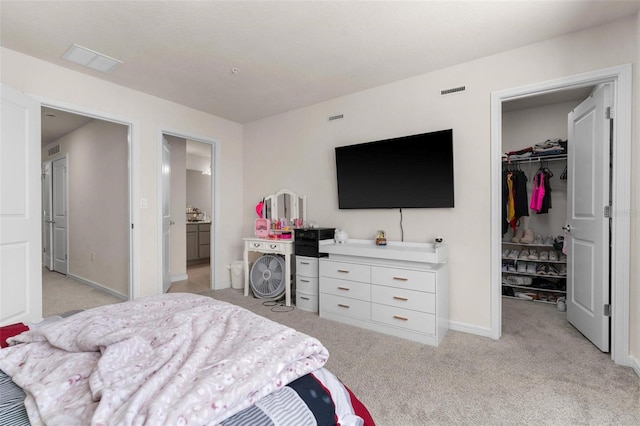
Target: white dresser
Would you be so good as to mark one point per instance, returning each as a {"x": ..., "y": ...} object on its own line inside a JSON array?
[{"x": 398, "y": 289}]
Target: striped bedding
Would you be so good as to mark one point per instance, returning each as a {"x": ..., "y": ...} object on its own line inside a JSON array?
[{"x": 172, "y": 359}]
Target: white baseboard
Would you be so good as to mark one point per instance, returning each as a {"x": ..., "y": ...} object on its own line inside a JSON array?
[
  {"x": 471, "y": 329},
  {"x": 635, "y": 364},
  {"x": 182, "y": 277},
  {"x": 99, "y": 286}
]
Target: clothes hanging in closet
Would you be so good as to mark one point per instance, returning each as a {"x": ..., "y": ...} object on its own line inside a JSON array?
[
  {"x": 541, "y": 193},
  {"x": 514, "y": 198}
]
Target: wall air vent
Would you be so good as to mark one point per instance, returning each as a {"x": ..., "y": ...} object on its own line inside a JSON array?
[
  {"x": 54, "y": 150},
  {"x": 336, "y": 117},
  {"x": 453, "y": 90}
]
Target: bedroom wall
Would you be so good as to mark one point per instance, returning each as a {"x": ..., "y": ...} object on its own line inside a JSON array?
[
  {"x": 98, "y": 214},
  {"x": 296, "y": 148},
  {"x": 150, "y": 115}
]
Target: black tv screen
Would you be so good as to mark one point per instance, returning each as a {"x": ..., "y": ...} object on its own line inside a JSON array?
[{"x": 407, "y": 172}]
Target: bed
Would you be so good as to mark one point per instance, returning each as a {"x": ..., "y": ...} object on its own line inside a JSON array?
[{"x": 174, "y": 359}]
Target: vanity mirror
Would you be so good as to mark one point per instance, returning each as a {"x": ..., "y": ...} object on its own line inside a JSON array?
[{"x": 286, "y": 204}]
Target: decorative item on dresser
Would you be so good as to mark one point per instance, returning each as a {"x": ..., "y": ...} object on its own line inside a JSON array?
[{"x": 399, "y": 289}]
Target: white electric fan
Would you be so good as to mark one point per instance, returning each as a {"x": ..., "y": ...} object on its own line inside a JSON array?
[{"x": 267, "y": 277}]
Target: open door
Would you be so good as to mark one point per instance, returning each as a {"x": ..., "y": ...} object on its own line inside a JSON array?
[
  {"x": 20, "y": 209},
  {"x": 47, "y": 216},
  {"x": 166, "y": 215},
  {"x": 59, "y": 221},
  {"x": 588, "y": 223}
]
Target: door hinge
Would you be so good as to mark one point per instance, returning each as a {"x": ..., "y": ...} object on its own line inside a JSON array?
[
  {"x": 607, "y": 211},
  {"x": 608, "y": 113},
  {"x": 607, "y": 310}
]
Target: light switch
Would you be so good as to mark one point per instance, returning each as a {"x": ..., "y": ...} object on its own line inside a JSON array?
[{"x": 144, "y": 203}]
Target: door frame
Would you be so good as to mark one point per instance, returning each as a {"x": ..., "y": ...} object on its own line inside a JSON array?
[
  {"x": 133, "y": 138},
  {"x": 214, "y": 209},
  {"x": 620, "y": 76}
]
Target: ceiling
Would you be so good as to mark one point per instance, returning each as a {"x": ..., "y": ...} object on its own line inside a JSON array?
[{"x": 285, "y": 55}]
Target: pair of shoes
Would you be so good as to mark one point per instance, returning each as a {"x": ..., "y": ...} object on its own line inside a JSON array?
[
  {"x": 513, "y": 254},
  {"x": 531, "y": 268},
  {"x": 527, "y": 238},
  {"x": 517, "y": 236},
  {"x": 562, "y": 269},
  {"x": 522, "y": 267},
  {"x": 544, "y": 255},
  {"x": 524, "y": 254},
  {"x": 533, "y": 254},
  {"x": 552, "y": 270},
  {"x": 553, "y": 256},
  {"x": 541, "y": 269}
]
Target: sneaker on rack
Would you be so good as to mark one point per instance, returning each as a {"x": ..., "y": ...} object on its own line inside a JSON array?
[
  {"x": 511, "y": 267},
  {"x": 551, "y": 270},
  {"x": 544, "y": 255},
  {"x": 524, "y": 254},
  {"x": 531, "y": 268},
  {"x": 513, "y": 254},
  {"x": 538, "y": 239},
  {"x": 505, "y": 253},
  {"x": 533, "y": 254},
  {"x": 553, "y": 256},
  {"x": 541, "y": 269},
  {"x": 522, "y": 267},
  {"x": 562, "y": 269}
]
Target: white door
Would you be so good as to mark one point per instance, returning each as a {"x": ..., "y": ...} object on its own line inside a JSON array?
[
  {"x": 166, "y": 215},
  {"x": 47, "y": 216},
  {"x": 588, "y": 287},
  {"x": 59, "y": 223},
  {"x": 20, "y": 209}
]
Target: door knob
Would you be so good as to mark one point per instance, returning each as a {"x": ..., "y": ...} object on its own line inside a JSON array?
[
  {"x": 171, "y": 222},
  {"x": 567, "y": 228}
]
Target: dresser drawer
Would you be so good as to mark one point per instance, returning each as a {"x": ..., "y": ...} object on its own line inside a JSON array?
[
  {"x": 404, "y": 278},
  {"x": 404, "y": 318},
  {"x": 308, "y": 285},
  {"x": 401, "y": 298},
  {"x": 345, "y": 271},
  {"x": 345, "y": 306},
  {"x": 307, "y": 266},
  {"x": 344, "y": 288}
]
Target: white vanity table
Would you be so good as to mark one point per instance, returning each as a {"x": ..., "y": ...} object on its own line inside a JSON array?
[{"x": 289, "y": 205}]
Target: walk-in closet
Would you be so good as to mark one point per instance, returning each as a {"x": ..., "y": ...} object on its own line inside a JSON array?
[{"x": 534, "y": 179}]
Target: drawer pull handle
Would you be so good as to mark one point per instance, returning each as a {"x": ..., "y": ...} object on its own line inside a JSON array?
[
  {"x": 256, "y": 244},
  {"x": 401, "y": 318},
  {"x": 346, "y": 271},
  {"x": 304, "y": 298},
  {"x": 404, "y": 299},
  {"x": 305, "y": 263},
  {"x": 344, "y": 288},
  {"x": 400, "y": 279},
  {"x": 343, "y": 306},
  {"x": 305, "y": 281},
  {"x": 273, "y": 246}
]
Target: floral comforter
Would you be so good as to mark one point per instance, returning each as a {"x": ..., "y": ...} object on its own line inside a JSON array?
[{"x": 173, "y": 359}]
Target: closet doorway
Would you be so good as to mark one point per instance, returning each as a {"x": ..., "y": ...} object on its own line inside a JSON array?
[{"x": 620, "y": 78}]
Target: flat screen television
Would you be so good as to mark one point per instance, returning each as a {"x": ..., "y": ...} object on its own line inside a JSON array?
[{"x": 406, "y": 172}]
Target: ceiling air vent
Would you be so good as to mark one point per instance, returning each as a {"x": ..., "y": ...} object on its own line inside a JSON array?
[
  {"x": 453, "y": 90},
  {"x": 54, "y": 150},
  {"x": 336, "y": 117}
]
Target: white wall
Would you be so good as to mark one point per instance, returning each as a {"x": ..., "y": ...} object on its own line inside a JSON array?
[
  {"x": 150, "y": 115},
  {"x": 295, "y": 150},
  {"x": 98, "y": 216}
]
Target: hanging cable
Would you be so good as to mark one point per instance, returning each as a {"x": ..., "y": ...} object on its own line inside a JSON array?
[{"x": 401, "y": 228}]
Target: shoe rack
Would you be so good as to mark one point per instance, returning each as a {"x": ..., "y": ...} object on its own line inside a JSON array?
[{"x": 533, "y": 271}]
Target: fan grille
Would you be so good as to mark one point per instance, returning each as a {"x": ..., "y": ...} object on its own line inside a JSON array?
[{"x": 267, "y": 277}]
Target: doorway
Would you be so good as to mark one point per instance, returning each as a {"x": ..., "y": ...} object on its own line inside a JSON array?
[
  {"x": 188, "y": 212},
  {"x": 620, "y": 77},
  {"x": 86, "y": 200}
]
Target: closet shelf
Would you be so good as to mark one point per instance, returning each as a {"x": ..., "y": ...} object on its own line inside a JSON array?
[
  {"x": 550, "y": 246},
  {"x": 524, "y": 274},
  {"x": 534, "y": 260},
  {"x": 526, "y": 287},
  {"x": 535, "y": 301},
  {"x": 540, "y": 159}
]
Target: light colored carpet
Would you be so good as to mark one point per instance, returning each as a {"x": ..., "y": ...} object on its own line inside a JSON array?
[{"x": 542, "y": 371}]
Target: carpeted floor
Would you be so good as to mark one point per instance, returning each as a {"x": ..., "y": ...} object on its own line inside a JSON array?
[{"x": 541, "y": 372}]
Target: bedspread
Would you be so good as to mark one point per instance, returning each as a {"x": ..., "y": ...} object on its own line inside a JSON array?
[{"x": 170, "y": 359}]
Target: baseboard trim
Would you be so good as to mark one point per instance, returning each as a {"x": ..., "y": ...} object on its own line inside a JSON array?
[
  {"x": 471, "y": 329},
  {"x": 98, "y": 286},
  {"x": 635, "y": 364},
  {"x": 175, "y": 278}
]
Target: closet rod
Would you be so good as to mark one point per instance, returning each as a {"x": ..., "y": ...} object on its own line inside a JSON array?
[{"x": 536, "y": 159}]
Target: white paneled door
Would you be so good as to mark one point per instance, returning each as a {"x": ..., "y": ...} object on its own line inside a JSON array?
[
  {"x": 588, "y": 233},
  {"x": 166, "y": 215},
  {"x": 20, "y": 209},
  {"x": 47, "y": 216},
  {"x": 59, "y": 213}
]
